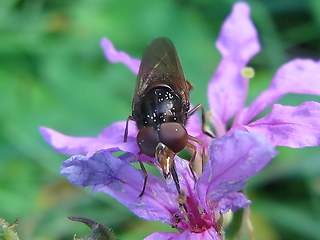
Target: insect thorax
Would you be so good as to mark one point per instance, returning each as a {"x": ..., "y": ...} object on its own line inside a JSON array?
[{"x": 159, "y": 105}]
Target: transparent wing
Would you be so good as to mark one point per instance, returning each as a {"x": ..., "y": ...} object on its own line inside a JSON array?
[{"x": 161, "y": 65}]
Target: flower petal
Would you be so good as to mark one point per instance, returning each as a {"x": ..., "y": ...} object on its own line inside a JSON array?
[
  {"x": 238, "y": 43},
  {"x": 238, "y": 39},
  {"x": 122, "y": 181},
  {"x": 232, "y": 159},
  {"x": 300, "y": 76},
  {"x": 163, "y": 236},
  {"x": 115, "y": 132},
  {"x": 111, "y": 138},
  {"x": 294, "y": 127},
  {"x": 233, "y": 201},
  {"x": 119, "y": 56},
  {"x": 66, "y": 144},
  {"x": 194, "y": 127},
  {"x": 186, "y": 180},
  {"x": 186, "y": 235}
]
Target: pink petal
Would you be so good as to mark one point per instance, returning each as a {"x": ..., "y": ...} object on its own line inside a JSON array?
[
  {"x": 238, "y": 39},
  {"x": 238, "y": 43},
  {"x": 66, "y": 144},
  {"x": 300, "y": 76},
  {"x": 186, "y": 180},
  {"x": 111, "y": 138},
  {"x": 186, "y": 235},
  {"x": 107, "y": 173},
  {"x": 233, "y": 201},
  {"x": 238, "y": 156},
  {"x": 194, "y": 127},
  {"x": 115, "y": 132},
  {"x": 294, "y": 127},
  {"x": 233, "y": 158},
  {"x": 163, "y": 236},
  {"x": 119, "y": 56}
]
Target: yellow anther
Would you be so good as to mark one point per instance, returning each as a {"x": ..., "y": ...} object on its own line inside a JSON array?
[
  {"x": 247, "y": 72},
  {"x": 208, "y": 115}
]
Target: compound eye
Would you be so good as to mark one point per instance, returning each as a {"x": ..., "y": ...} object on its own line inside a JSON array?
[
  {"x": 174, "y": 136},
  {"x": 148, "y": 140}
]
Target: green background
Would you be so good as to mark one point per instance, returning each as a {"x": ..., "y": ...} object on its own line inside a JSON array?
[{"x": 53, "y": 73}]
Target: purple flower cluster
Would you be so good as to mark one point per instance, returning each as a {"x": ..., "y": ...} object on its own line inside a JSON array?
[{"x": 234, "y": 156}]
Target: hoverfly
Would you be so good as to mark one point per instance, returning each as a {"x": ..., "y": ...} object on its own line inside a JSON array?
[{"x": 160, "y": 108}]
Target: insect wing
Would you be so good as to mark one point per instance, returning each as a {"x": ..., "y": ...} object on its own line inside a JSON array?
[{"x": 161, "y": 65}]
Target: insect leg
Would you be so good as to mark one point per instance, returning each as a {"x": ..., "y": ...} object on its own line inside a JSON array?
[
  {"x": 125, "y": 136},
  {"x": 175, "y": 176},
  {"x": 145, "y": 175},
  {"x": 182, "y": 198},
  {"x": 195, "y": 151},
  {"x": 203, "y": 119}
]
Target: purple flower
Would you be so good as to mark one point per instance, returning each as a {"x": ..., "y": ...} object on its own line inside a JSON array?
[
  {"x": 232, "y": 159},
  {"x": 227, "y": 91}
]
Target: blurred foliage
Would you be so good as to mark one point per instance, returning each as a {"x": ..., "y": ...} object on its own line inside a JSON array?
[{"x": 53, "y": 73}]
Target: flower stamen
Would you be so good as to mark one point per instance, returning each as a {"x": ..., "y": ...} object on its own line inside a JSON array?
[{"x": 247, "y": 73}]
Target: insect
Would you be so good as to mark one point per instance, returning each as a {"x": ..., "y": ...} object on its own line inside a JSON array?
[{"x": 160, "y": 108}]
